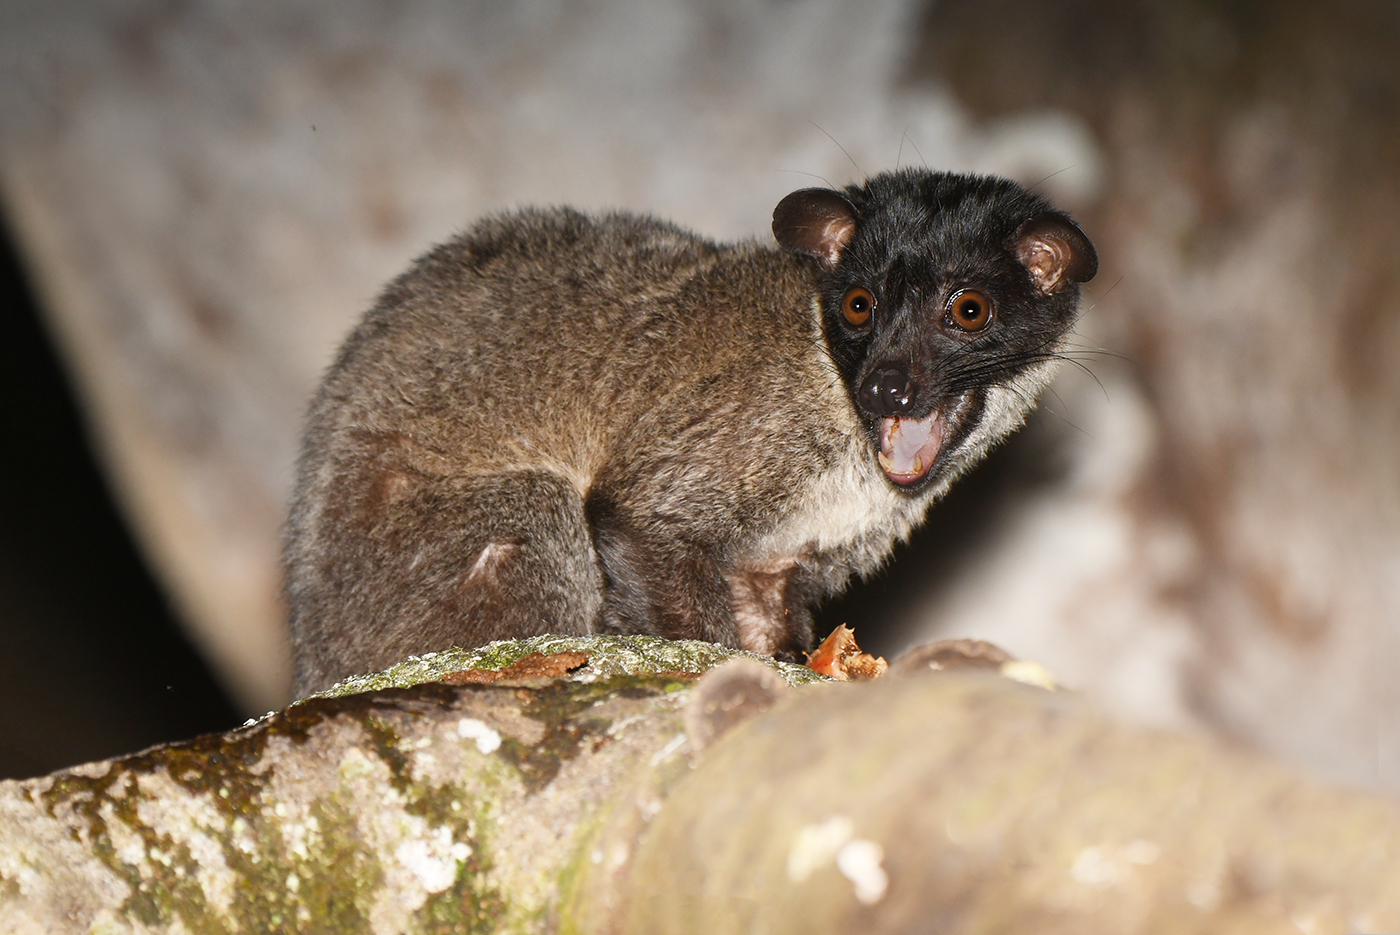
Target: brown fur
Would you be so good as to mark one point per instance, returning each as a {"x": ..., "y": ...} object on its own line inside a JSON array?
[{"x": 566, "y": 424}]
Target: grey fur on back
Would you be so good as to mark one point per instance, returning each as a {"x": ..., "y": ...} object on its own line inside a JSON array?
[{"x": 505, "y": 375}]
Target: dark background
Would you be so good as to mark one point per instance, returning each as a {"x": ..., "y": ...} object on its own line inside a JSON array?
[{"x": 92, "y": 664}]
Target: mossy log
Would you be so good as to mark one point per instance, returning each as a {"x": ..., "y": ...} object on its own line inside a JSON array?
[{"x": 613, "y": 800}]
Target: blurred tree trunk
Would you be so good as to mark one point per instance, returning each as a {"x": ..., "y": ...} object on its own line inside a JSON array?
[{"x": 1247, "y": 226}]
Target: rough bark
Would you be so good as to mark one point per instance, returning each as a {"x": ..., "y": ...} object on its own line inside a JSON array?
[{"x": 954, "y": 800}]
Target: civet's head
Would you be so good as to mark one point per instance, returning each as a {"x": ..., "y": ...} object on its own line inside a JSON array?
[{"x": 946, "y": 300}]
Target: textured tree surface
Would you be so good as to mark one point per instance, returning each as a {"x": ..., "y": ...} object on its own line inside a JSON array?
[{"x": 953, "y": 800}]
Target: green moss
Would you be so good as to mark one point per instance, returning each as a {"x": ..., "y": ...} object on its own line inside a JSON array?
[
  {"x": 556, "y": 707},
  {"x": 567, "y": 713},
  {"x": 609, "y": 655},
  {"x": 174, "y": 893},
  {"x": 169, "y": 887},
  {"x": 573, "y": 876},
  {"x": 467, "y": 906},
  {"x": 330, "y": 882},
  {"x": 336, "y": 881}
]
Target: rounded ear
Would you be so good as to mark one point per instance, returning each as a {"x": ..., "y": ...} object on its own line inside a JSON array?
[
  {"x": 816, "y": 221},
  {"x": 1055, "y": 252}
]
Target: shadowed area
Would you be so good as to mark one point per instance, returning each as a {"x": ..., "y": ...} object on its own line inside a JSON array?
[{"x": 91, "y": 662}]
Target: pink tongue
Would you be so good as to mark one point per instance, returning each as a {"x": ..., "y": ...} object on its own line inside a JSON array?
[{"x": 908, "y": 447}]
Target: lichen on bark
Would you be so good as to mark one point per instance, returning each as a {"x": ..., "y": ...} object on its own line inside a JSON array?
[
  {"x": 607, "y": 656},
  {"x": 432, "y": 808},
  {"x": 937, "y": 798}
]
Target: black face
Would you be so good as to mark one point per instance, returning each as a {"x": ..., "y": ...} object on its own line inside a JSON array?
[{"x": 943, "y": 287}]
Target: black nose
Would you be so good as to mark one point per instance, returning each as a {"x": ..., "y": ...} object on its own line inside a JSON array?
[{"x": 886, "y": 392}]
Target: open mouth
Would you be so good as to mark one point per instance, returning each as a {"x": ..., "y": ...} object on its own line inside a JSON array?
[{"x": 908, "y": 447}]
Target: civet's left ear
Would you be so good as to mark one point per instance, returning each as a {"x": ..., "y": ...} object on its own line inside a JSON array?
[{"x": 1055, "y": 252}]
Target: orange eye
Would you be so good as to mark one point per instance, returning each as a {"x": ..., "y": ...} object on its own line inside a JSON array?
[
  {"x": 857, "y": 306},
  {"x": 970, "y": 310}
]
